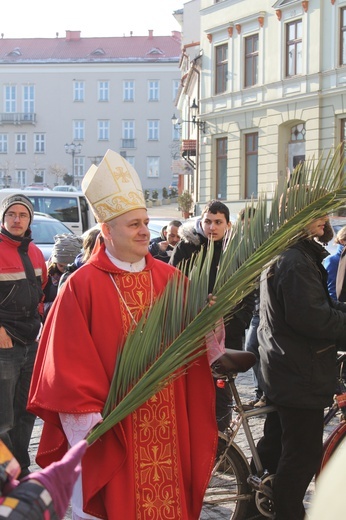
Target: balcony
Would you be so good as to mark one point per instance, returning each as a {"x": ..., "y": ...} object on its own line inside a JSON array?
[
  {"x": 17, "y": 118},
  {"x": 128, "y": 143}
]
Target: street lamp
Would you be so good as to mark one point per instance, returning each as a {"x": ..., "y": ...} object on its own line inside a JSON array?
[
  {"x": 194, "y": 120},
  {"x": 73, "y": 149}
]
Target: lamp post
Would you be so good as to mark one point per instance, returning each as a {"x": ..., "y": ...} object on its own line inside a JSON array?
[
  {"x": 196, "y": 122},
  {"x": 73, "y": 149}
]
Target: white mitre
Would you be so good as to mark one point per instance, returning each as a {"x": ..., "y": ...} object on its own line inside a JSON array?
[{"x": 113, "y": 187}]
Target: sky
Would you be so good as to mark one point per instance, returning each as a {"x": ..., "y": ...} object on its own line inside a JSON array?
[{"x": 45, "y": 18}]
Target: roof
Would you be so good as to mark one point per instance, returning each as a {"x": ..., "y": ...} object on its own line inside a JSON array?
[{"x": 73, "y": 48}]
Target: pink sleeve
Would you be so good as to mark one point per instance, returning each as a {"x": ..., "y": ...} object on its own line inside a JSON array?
[{"x": 215, "y": 341}]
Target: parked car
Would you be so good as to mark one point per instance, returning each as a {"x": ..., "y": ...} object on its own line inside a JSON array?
[
  {"x": 174, "y": 184},
  {"x": 65, "y": 187},
  {"x": 43, "y": 229},
  {"x": 71, "y": 208},
  {"x": 38, "y": 187},
  {"x": 155, "y": 227}
]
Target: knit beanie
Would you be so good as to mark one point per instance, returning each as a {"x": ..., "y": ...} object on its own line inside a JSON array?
[
  {"x": 18, "y": 198},
  {"x": 66, "y": 247}
]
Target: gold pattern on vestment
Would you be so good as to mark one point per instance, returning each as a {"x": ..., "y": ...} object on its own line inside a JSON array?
[{"x": 154, "y": 423}]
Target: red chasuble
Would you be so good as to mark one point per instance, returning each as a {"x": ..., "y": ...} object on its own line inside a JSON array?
[{"x": 156, "y": 463}]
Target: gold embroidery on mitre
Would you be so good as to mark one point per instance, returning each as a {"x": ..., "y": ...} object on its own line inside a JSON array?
[
  {"x": 118, "y": 204},
  {"x": 113, "y": 188}
]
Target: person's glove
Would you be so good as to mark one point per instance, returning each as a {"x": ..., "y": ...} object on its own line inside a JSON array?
[{"x": 60, "y": 477}]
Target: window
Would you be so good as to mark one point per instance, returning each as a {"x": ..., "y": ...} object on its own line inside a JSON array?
[
  {"x": 103, "y": 130},
  {"x": 343, "y": 36},
  {"x": 153, "y": 130},
  {"x": 129, "y": 90},
  {"x": 79, "y": 168},
  {"x": 3, "y": 143},
  {"x": 21, "y": 178},
  {"x": 176, "y": 132},
  {"x": 78, "y": 90},
  {"x": 130, "y": 159},
  {"x": 153, "y": 166},
  {"x": 10, "y": 98},
  {"x": 221, "y": 168},
  {"x": 128, "y": 134},
  {"x": 103, "y": 90},
  {"x": 39, "y": 143},
  {"x": 251, "y": 165},
  {"x": 28, "y": 99},
  {"x": 153, "y": 90},
  {"x": 21, "y": 143},
  {"x": 251, "y": 60},
  {"x": 221, "y": 68},
  {"x": 294, "y": 48},
  {"x": 78, "y": 130},
  {"x": 298, "y": 132},
  {"x": 128, "y": 129},
  {"x": 343, "y": 138},
  {"x": 176, "y": 84}
]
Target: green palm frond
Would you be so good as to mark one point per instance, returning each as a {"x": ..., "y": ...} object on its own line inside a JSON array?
[{"x": 172, "y": 333}]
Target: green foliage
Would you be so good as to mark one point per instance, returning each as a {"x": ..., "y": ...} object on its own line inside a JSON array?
[
  {"x": 185, "y": 201},
  {"x": 146, "y": 194},
  {"x": 172, "y": 333},
  {"x": 154, "y": 194},
  {"x": 173, "y": 193},
  {"x": 165, "y": 193}
]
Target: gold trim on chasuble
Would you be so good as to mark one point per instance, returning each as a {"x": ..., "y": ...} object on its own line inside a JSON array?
[{"x": 154, "y": 423}]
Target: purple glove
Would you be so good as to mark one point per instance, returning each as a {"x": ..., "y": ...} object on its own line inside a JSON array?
[{"x": 60, "y": 477}]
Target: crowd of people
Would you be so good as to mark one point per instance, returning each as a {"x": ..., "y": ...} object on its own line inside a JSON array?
[{"x": 62, "y": 325}]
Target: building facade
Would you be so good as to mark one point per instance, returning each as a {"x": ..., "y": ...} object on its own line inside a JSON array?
[
  {"x": 93, "y": 93},
  {"x": 272, "y": 92}
]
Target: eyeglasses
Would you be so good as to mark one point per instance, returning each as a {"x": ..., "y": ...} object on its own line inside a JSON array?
[{"x": 13, "y": 216}]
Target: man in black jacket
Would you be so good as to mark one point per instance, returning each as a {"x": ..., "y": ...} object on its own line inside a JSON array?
[
  {"x": 215, "y": 225},
  {"x": 162, "y": 247},
  {"x": 23, "y": 274},
  {"x": 299, "y": 328}
]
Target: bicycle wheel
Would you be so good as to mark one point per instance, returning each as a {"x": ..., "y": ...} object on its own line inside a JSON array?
[{"x": 228, "y": 494}]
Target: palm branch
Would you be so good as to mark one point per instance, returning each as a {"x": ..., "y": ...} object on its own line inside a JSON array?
[{"x": 172, "y": 334}]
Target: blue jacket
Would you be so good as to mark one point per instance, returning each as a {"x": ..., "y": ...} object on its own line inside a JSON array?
[{"x": 331, "y": 264}]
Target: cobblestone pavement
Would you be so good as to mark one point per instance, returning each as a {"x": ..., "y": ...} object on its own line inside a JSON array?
[{"x": 245, "y": 388}]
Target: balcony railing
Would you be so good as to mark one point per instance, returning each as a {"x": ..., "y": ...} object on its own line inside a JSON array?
[
  {"x": 128, "y": 143},
  {"x": 17, "y": 118}
]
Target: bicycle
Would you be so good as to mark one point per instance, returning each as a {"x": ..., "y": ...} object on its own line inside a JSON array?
[{"x": 233, "y": 482}]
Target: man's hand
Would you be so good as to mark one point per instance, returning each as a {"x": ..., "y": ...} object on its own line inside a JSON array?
[
  {"x": 211, "y": 300},
  {"x": 163, "y": 245},
  {"x": 5, "y": 339}
]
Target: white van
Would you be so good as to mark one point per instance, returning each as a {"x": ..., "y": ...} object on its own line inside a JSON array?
[{"x": 71, "y": 208}]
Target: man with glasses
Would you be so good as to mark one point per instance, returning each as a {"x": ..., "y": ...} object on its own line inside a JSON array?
[{"x": 23, "y": 275}]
